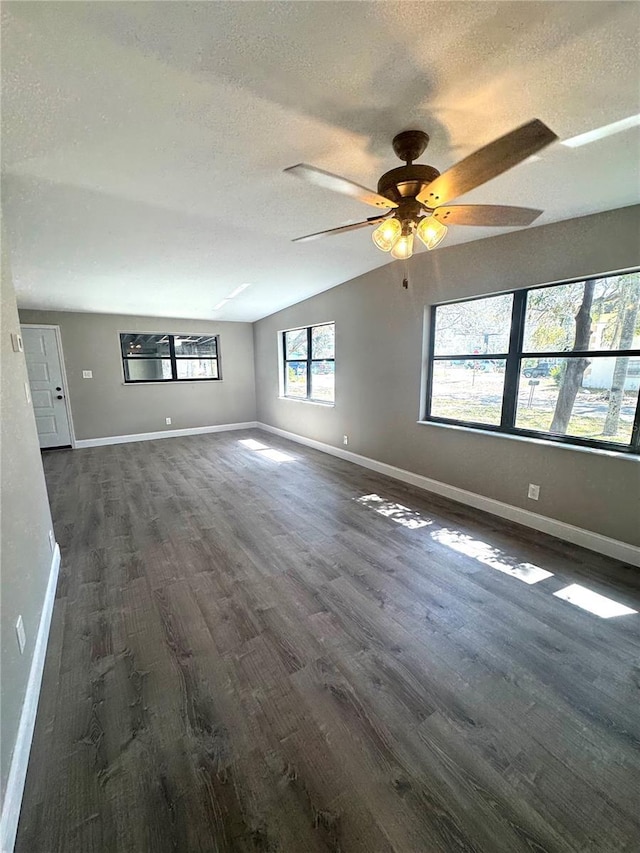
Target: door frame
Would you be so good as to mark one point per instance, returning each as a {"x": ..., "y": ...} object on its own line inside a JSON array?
[{"x": 63, "y": 368}]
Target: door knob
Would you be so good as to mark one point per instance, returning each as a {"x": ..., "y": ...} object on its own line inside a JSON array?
[{"x": 59, "y": 397}]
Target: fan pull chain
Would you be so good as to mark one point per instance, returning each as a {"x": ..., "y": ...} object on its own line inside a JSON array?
[{"x": 405, "y": 280}]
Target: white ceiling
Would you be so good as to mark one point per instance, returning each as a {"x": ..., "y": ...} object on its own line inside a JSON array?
[{"x": 143, "y": 143}]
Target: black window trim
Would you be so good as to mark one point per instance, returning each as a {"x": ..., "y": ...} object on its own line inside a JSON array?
[
  {"x": 308, "y": 360},
  {"x": 172, "y": 357},
  {"x": 512, "y": 372}
]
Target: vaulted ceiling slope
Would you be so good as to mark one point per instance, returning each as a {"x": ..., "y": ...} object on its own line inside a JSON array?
[{"x": 143, "y": 143}]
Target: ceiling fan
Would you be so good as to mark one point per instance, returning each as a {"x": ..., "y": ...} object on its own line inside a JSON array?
[{"x": 416, "y": 197}]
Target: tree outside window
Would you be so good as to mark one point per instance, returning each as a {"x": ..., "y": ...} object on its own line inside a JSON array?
[{"x": 560, "y": 360}]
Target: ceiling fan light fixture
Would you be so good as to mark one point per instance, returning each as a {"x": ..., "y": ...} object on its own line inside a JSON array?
[
  {"x": 414, "y": 189},
  {"x": 387, "y": 234},
  {"x": 403, "y": 248},
  {"x": 431, "y": 232}
]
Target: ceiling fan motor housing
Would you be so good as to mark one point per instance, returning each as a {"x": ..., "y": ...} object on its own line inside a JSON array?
[
  {"x": 410, "y": 144},
  {"x": 406, "y": 182}
]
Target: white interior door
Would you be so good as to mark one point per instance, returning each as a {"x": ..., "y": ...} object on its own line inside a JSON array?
[{"x": 44, "y": 366}]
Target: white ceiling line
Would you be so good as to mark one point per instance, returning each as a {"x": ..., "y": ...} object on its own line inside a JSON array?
[{"x": 602, "y": 132}]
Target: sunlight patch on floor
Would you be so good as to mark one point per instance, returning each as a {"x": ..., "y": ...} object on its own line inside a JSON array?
[
  {"x": 276, "y": 455},
  {"x": 263, "y": 450},
  {"x": 252, "y": 444},
  {"x": 396, "y": 512},
  {"x": 593, "y": 601},
  {"x": 489, "y": 556}
]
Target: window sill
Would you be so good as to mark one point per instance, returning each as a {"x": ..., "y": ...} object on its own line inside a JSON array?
[
  {"x": 169, "y": 382},
  {"x": 598, "y": 451},
  {"x": 307, "y": 402}
]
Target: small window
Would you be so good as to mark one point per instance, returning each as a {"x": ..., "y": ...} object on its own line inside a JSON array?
[
  {"x": 559, "y": 361},
  {"x": 169, "y": 358},
  {"x": 309, "y": 363}
]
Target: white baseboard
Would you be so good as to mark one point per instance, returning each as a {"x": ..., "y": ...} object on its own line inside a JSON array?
[
  {"x": 165, "y": 433},
  {"x": 20, "y": 759},
  {"x": 576, "y": 535}
]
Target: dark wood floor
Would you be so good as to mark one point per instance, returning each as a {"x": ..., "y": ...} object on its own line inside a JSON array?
[{"x": 245, "y": 657}]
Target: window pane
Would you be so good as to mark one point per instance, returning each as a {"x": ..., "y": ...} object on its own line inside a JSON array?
[
  {"x": 323, "y": 380},
  {"x": 590, "y": 398},
  {"x": 147, "y": 369},
  {"x": 323, "y": 341},
  {"x": 477, "y": 327},
  {"x": 468, "y": 390},
  {"x": 144, "y": 345},
  {"x": 634, "y": 367},
  {"x": 296, "y": 344},
  {"x": 195, "y": 368},
  {"x": 610, "y": 310},
  {"x": 200, "y": 345},
  {"x": 296, "y": 379}
]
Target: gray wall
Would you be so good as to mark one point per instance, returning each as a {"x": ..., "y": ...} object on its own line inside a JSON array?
[
  {"x": 379, "y": 353},
  {"x": 25, "y": 552},
  {"x": 105, "y": 406}
]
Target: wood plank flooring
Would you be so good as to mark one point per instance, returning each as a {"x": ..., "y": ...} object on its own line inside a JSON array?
[{"x": 246, "y": 656}]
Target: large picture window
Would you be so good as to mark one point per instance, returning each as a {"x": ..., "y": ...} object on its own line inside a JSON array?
[
  {"x": 309, "y": 363},
  {"x": 560, "y": 362},
  {"x": 169, "y": 358}
]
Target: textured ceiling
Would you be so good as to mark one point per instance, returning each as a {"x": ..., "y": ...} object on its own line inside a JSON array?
[{"x": 143, "y": 143}]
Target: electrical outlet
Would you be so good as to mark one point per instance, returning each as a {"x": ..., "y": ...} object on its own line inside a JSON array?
[
  {"x": 345, "y": 439},
  {"x": 534, "y": 492},
  {"x": 87, "y": 374},
  {"x": 52, "y": 540},
  {"x": 167, "y": 421},
  {"x": 22, "y": 637}
]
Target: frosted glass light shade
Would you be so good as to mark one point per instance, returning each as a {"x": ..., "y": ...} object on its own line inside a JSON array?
[
  {"x": 403, "y": 248},
  {"x": 431, "y": 232},
  {"x": 386, "y": 234}
]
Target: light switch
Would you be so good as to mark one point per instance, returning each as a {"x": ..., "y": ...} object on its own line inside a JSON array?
[
  {"x": 87, "y": 374},
  {"x": 16, "y": 342}
]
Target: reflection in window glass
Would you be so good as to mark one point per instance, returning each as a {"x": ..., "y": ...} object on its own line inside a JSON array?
[
  {"x": 476, "y": 327},
  {"x": 193, "y": 368},
  {"x": 571, "y": 396},
  {"x": 198, "y": 345},
  {"x": 296, "y": 379},
  {"x": 323, "y": 341},
  {"x": 469, "y": 390},
  {"x": 295, "y": 344},
  {"x": 147, "y": 369},
  {"x": 610, "y": 305},
  {"x": 150, "y": 346},
  {"x": 323, "y": 380}
]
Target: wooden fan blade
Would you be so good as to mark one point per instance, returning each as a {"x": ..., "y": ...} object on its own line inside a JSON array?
[
  {"x": 372, "y": 221},
  {"x": 485, "y": 214},
  {"x": 328, "y": 181},
  {"x": 487, "y": 163}
]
